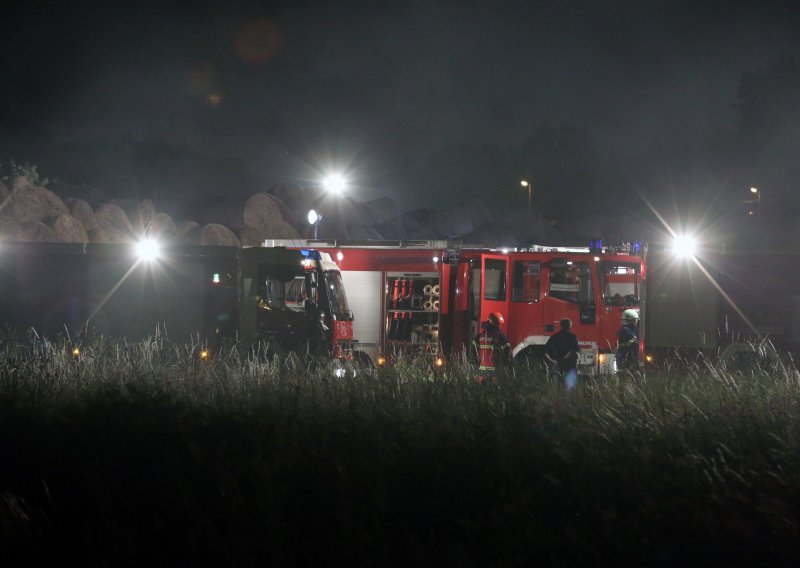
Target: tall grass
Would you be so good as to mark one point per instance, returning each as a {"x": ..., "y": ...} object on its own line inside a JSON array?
[{"x": 137, "y": 452}]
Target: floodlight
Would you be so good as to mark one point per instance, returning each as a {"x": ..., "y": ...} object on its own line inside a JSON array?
[
  {"x": 313, "y": 217},
  {"x": 684, "y": 246},
  {"x": 148, "y": 249},
  {"x": 335, "y": 183}
]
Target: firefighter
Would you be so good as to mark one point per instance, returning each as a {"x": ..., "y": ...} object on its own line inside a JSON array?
[
  {"x": 562, "y": 350},
  {"x": 628, "y": 341},
  {"x": 492, "y": 347}
]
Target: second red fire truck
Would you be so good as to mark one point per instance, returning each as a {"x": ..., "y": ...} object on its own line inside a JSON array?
[{"x": 412, "y": 297}]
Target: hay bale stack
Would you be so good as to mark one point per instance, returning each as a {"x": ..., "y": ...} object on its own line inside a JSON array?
[
  {"x": 4, "y": 195},
  {"x": 188, "y": 233},
  {"x": 98, "y": 235},
  {"x": 215, "y": 234},
  {"x": 138, "y": 214},
  {"x": 84, "y": 213},
  {"x": 10, "y": 229},
  {"x": 162, "y": 226},
  {"x": 261, "y": 211},
  {"x": 294, "y": 196},
  {"x": 381, "y": 211},
  {"x": 491, "y": 235},
  {"x": 480, "y": 214},
  {"x": 68, "y": 229},
  {"x": 415, "y": 225},
  {"x": 456, "y": 221},
  {"x": 114, "y": 223},
  {"x": 56, "y": 207},
  {"x": 223, "y": 212},
  {"x": 252, "y": 237},
  {"x": 37, "y": 232},
  {"x": 360, "y": 232},
  {"x": 392, "y": 230},
  {"x": 27, "y": 203}
]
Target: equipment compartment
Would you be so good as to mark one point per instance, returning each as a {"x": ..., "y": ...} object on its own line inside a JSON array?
[{"x": 412, "y": 308}]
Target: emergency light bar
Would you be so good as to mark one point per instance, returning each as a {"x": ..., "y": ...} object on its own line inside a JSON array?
[{"x": 311, "y": 254}]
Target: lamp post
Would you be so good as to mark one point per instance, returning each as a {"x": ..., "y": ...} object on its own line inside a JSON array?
[
  {"x": 314, "y": 218},
  {"x": 756, "y": 194},
  {"x": 526, "y": 183}
]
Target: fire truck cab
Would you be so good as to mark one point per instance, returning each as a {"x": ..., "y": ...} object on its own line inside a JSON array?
[{"x": 431, "y": 296}]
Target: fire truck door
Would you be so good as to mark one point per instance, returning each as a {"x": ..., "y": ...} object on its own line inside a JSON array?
[
  {"x": 494, "y": 287},
  {"x": 570, "y": 294}
]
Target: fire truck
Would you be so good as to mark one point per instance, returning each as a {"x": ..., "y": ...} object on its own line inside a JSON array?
[
  {"x": 729, "y": 301},
  {"x": 412, "y": 297},
  {"x": 287, "y": 298}
]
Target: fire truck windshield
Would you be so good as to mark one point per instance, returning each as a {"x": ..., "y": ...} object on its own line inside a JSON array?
[
  {"x": 337, "y": 299},
  {"x": 620, "y": 283}
]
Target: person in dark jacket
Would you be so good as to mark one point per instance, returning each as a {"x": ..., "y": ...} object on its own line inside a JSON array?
[
  {"x": 562, "y": 350},
  {"x": 628, "y": 342},
  {"x": 492, "y": 347}
]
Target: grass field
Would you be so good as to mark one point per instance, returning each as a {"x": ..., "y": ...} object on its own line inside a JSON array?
[{"x": 136, "y": 454}]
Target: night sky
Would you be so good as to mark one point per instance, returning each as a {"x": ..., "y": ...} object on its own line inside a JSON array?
[{"x": 426, "y": 102}]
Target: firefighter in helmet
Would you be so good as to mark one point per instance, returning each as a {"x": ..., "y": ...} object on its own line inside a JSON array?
[
  {"x": 492, "y": 347},
  {"x": 628, "y": 341}
]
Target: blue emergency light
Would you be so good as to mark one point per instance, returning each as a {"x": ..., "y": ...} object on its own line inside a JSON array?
[
  {"x": 311, "y": 254},
  {"x": 596, "y": 245}
]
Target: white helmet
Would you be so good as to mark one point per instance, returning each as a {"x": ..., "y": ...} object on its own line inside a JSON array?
[{"x": 630, "y": 315}]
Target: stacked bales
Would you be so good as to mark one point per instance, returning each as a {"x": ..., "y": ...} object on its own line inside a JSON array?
[
  {"x": 188, "y": 233},
  {"x": 113, "y": 224},
  {"x": 215, "y": 234},
  {"x": 67, "y": 229}
]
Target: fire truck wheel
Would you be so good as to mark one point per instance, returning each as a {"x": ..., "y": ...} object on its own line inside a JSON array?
[
  {"x": 749, "y": 357},
  {"x": 362, "y": 361},
  {"x": 531, "y": 358}
]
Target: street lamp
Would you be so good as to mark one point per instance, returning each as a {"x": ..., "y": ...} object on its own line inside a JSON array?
[
  {"x": 314, "y": 218},
  {"x": 526, "y": 183},
  {"x": 754, "y": 191},
  {"x": 335, "y": 183}
]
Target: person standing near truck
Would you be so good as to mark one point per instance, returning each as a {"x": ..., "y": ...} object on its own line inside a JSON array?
[
  {"x": 562, "y": 350},
  {"x": 492, "y": 347},
  {"x": 628, "y": 342}
]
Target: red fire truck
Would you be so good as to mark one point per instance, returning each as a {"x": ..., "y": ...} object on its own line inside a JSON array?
[{"x": 431, "y": 296}]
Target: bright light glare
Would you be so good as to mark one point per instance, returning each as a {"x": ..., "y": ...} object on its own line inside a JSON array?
[
  {"x": 335, "y": 183},
  {"x": 339, "y": 256},
  {"x": 524, "y": 183},
  {"x": 753, "y": 190},
  {"x": 684, "y": 246},
  {"x": 147, "y": 249},
  {"x": 313, "y": 217}
]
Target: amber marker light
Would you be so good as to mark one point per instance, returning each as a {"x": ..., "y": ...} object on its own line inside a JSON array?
[{"x": 381, "y": 361}]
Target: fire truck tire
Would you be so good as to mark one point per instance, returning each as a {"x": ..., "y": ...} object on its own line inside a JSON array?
[
  {"x": 531, "y": 358},
  {"x": 362, "y": 361},
  {"x": 745, "y": 357}
]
